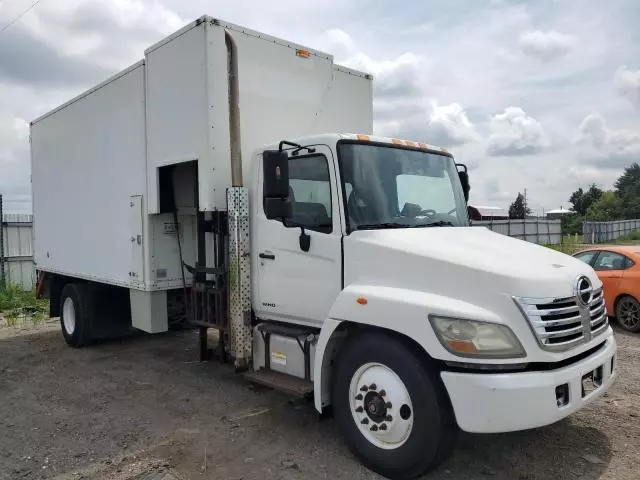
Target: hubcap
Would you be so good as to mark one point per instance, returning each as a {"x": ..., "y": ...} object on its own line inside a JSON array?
[
  {"x": 629, "y": 314},
  {"x": 69, "y": 315},
  {"x": 381, "y": 406}
]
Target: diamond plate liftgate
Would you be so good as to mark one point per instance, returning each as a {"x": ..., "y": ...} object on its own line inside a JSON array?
[{"x": 239, "y": 277}]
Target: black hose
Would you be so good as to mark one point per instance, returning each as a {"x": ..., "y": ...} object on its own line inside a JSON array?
[{"x": 175, "y": 220}]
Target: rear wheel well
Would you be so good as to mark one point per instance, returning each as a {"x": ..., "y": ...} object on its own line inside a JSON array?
[
  {"x": 109, "y": 305},
  {"x": 52, "y": 286}
]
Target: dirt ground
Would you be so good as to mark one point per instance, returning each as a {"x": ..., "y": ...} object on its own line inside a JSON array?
[{"x": 144, "y": 408}]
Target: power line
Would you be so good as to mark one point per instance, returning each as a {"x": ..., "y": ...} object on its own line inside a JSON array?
[{"x": 20, "y": 16}]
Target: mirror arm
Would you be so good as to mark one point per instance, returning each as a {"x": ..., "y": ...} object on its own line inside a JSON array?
[
  {"x": 286, "y": 142},
  {"x": 305, "y": 240}
]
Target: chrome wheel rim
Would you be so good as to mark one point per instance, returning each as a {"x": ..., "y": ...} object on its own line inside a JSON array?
[
  {"x": 381, "y": 406},
  {"x": 69, "y": 316}
]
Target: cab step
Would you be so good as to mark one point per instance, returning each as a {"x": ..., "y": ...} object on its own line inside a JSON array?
[{"x": 297, "y": 387}]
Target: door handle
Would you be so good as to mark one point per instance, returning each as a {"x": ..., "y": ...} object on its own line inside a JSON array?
[{"x": 267, "y": 256}]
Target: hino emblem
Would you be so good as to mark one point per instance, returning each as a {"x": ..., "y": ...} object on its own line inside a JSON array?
[{"x": 584, "y": 291}]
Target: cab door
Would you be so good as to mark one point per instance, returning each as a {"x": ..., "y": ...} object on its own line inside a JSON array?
[{"x": 292, "y": 284}]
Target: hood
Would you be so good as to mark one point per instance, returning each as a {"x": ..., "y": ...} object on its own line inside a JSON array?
[{"x": 446, "y": 260}]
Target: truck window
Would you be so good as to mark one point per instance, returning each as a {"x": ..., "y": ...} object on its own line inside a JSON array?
[
  {"x": 411, "y": 189},
  {"x": 310, "y": 193},
  {"x": 395, "y": 187}
]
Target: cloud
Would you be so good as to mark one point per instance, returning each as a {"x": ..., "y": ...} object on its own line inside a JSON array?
[
  {"x": 26, "y": 59},
  {"x": 449, "y": 125},
  {"x": 515, "y": 133},
  {"x": 593, "y": 131},
  {"x": 338, "y": 43},
  {"x": 14, "y": 167},
  {"x": 441, "y": 125},
  {"x": 84, "y": 41},
  {"x": 605, "y": 147},
  {"x": 546, "y": 46},
  {"x": 402, "y": 107},
  {"x": 393, "y": 79},
  {"x": 14, "y": 134},
  {"x": 627, "y": 83},
  {"x": 494, "y": 191}
]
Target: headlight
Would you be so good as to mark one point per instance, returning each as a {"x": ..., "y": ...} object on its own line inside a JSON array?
[{"x": 471, "y": 338}]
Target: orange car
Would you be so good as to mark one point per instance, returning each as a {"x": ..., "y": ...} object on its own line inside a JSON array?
[{"x": 619, "y": 270}]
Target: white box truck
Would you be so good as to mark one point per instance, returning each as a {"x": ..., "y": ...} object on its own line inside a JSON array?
[{"x": 211, "y": 184}]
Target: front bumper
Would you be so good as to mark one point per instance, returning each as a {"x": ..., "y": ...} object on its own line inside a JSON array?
[{"x": 504, "y": 402}]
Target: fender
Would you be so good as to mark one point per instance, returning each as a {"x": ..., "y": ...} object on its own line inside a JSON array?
[{"x": 404, "y": 311}]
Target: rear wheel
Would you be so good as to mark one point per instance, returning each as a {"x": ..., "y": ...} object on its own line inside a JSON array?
[
  {"x": 75, "y": 314},
  {"x": 391, "y": 407},
  {"x": 628, "y": 313}
]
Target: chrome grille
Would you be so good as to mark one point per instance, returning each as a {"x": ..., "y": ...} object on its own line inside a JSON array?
[
  {"x": 560, "y": 324},
  {"x": 598, "y": 313}
]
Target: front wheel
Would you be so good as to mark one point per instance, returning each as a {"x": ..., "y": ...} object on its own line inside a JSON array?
[
  {"x": 628, "y": 313},
  {"x": 391, "y": 407}
]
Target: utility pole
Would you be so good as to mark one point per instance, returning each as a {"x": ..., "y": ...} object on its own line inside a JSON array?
[
  {"x": 525, "y": 203},
  {"x": 1, "y": 244}
]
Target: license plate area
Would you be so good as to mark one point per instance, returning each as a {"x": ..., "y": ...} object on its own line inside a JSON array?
[{"x": 591, "y": 381}]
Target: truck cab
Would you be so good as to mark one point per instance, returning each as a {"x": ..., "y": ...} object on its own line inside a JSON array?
[
  {"x": 337, "y": 186},
  {"x": 418, "y": 321}
]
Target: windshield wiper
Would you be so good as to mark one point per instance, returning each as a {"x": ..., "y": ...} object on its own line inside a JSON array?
[
  {"x": 439, "y": 223},
  {"x": 375, "y": 226}
]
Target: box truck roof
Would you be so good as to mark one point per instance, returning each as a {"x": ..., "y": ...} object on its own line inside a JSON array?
[{"x": 223, "y": 24}]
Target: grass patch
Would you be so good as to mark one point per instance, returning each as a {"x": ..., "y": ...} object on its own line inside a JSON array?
[
  {"x": 17, "y": 304},
  {"x": 570, "y": 244},
  {"x": 633, "y": 236}
]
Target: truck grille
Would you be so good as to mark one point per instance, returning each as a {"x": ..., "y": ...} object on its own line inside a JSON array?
[{"x": 560, "y": 324}]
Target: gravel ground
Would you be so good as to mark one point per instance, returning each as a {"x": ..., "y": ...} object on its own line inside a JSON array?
[{"x": 143, "y": 408}]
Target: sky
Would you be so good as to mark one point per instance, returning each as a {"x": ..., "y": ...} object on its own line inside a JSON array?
[{"x": 542, "y": 95}]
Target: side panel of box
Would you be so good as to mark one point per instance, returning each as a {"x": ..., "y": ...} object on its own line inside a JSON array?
[
  {"x": 87, "y": 160},
  {"x": 349, "y": 104},
  {"x": 177, "y": 106}
]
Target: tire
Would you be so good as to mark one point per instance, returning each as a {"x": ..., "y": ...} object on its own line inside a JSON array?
[
  {"x": 628, "y": 313},
  {"x": 419, "y": 434},
  {"x": 76, "y": 314}
]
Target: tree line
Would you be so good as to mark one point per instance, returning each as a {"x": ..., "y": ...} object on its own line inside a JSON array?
[{"x": 595, "y": 204}]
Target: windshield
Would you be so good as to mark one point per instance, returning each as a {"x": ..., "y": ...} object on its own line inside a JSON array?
[{"x": 390, "y": 187}]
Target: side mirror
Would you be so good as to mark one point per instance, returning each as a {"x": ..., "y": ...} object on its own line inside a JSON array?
[
  {"x": 275, "y": 167},
  {"x": 464, "y": 180}
]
